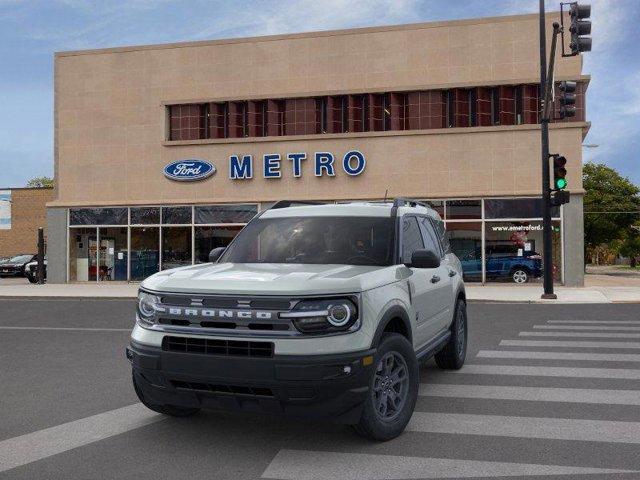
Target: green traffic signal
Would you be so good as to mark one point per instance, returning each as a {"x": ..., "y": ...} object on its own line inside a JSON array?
[{"x": 561, "y": 183}]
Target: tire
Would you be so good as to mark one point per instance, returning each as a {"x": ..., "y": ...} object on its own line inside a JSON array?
[
  {"x": 452, "y": 356},
  {"x": 520, "y": 275},
  {"x": 382, "y": 426},
  {"x": 32, "y": 279},
  {"x": 171, "y": 410}
]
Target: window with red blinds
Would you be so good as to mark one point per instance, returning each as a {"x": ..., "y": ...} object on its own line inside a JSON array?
[
  {"x": 300, "y": 116},
  {"x": 427, "y": 109},
  {"x": 390, "y": 111},
  {"x": 187, "y": 122}
]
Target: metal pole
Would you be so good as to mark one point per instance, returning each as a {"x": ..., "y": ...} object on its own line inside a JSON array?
[
  {"x": 40, "y": 268},
  {"x": 546, "y": 191}
]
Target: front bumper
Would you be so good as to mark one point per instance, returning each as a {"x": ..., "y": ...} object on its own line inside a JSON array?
[{"x": 314, "y": 386}]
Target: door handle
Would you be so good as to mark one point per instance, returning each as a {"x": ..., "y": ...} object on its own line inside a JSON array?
[
  {"x": 435, "y": 279},
  {"x": 452, "y": 273}
]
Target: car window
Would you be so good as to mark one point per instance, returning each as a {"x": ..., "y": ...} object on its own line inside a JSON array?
[
  {"x": 442, "y": 234},
  {"x": 430, "y": 239},
  {"x": 20, "y": 259},
  {"x": 411, "y": 238}
]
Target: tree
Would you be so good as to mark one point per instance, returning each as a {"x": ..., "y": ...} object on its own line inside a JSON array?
[
  {"x": 611, "y": 205},
  {"x": 40, "y": 182},
  {"x": 631, "y": 245}
]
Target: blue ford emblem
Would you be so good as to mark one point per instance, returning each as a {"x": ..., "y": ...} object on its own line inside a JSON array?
[{"x": 188, "y": 170}]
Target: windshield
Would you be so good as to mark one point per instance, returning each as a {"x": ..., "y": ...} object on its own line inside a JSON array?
[
  {"x": 319, "y": 240},
  {"x": 20, "y": 259}
]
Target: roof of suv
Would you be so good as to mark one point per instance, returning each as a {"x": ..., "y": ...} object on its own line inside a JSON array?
[{"x": 353, "y": 209}]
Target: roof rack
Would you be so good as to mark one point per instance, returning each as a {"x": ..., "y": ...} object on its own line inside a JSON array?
[
  {"x": 401, "y": 202},
  {"x": 291, "y": 203}
]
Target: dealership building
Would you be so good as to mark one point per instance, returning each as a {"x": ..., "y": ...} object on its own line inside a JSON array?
[{"x": 163, "y": 152}]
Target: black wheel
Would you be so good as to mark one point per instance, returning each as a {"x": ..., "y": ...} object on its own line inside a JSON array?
[
  {"x": 520, "y": 275},
  {"x": 171, "y": 410},
  {"x": 452, "y": 356},
  {"x": 393, "y": 390},
  {"x": 32, "y": 279}
]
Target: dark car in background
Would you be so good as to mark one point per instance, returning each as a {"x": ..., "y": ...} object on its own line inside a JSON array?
[
  {"x": 31, "y": 270},
  {"x": 15, "y": 266},
  {"x": 503, "y": 262}
]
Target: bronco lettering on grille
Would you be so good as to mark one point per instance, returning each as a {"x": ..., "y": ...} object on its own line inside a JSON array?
[{"x": 209, "y": 312}]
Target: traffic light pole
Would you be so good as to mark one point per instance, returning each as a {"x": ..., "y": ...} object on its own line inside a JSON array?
[{"x": 547, "y": 246}]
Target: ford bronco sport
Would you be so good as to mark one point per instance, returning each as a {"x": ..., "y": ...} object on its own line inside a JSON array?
[{"x": 319, "y": 311}]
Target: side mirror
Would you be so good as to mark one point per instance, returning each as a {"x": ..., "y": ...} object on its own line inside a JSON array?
[
  {"x": 424, "y": 259},
  {"x": 215, "y": 254}
]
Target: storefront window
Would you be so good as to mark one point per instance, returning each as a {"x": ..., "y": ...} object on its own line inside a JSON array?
[
  {"x": 464, "y": 209},
  {"x": 176, "y": 247},
  {"x": 513, "y": 251},
  {"x": 112, "y": 259},
  {"x": 145, "y": 252},
  {"x": 516, "y": 208},
  {"x": 98, "y": 216},
  {"x": 145, "y": 216},
  {"x": 225, "y": 213},
  {"x": 176, "y": 215},
  {"x": 82, "y": 254},
  {"x": 465, "y": 239},
  {"x": 208, "y": 238}
]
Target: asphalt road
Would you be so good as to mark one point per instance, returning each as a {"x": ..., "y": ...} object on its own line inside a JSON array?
[{"x": 549, "y": 391}]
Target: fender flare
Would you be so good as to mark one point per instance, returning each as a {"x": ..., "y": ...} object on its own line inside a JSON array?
[{"x": 395, "y": 311}]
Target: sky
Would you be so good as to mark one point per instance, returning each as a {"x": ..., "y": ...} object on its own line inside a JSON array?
[{"x": 31, "y": 30}]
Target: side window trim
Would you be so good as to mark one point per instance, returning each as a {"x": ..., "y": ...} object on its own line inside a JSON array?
[{"x": 440, "y": 238}]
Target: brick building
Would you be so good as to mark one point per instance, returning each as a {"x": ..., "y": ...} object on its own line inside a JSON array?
[{"x": 23, "y": 211}]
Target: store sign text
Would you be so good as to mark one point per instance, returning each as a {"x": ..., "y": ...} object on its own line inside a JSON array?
[{"x": 353, "y": 163}]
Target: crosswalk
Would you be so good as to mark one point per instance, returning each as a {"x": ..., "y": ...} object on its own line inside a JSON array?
[{"x": 456, "y": 433}]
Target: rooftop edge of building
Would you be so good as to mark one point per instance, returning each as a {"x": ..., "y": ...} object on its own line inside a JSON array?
[{"x": 310, "y": 34}]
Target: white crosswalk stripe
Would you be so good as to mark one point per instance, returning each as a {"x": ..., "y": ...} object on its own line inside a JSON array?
[
  {"x": 588, "y": 327},
  {"x": 316, "y": 465},
  {"x": 569, "y": 344},
  {"x": 526, "y": 427},
  {"x": 536, "y": 371},
  {"x": 31, "y": 447},
  {"x": 593, "y": 357},
  {"x": 580, "y": 334},
  {"x": 538, "y": 394},
  {"x": 605, "y": 322}
]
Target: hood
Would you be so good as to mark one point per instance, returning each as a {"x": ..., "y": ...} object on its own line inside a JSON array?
[{"x": 271, "y": 279}]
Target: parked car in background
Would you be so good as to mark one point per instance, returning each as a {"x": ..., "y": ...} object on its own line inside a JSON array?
[
  {"x": 31, "y": 270},
  {"x": 503, "y": 262},
  {"x": 15, "y": 266}
]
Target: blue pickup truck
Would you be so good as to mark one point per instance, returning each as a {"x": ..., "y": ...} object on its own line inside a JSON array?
[{"x": 503, "y": 263}]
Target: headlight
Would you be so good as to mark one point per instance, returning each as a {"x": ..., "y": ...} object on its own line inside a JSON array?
[
  {"x": 147, "y": 306},
  {"x": 324, "y": 316}
]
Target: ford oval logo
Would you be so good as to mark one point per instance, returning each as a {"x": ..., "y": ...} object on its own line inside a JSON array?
[{"x": 188, "y": 170}]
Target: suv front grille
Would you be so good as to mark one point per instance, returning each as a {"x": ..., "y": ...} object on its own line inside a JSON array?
[{"x": 205, "y": 346}]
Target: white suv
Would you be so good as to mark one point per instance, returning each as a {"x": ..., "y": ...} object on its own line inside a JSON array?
[{"x": 321, "y": 311}]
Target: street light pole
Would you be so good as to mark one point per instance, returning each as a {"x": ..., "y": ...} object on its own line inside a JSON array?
[{"x": 547, "y": 246}]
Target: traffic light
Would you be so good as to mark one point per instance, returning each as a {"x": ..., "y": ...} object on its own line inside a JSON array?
[
  {"x": 559, "y": 198},
  {"x": 559, "y": 172},
  {"x": 567, "y": 99},
  {"x": 579, "y": 28}
]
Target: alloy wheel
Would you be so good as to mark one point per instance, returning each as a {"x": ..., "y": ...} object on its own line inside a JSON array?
[
  {"x": 390, "y": 386},
  {"x": 520, "y": 276}
]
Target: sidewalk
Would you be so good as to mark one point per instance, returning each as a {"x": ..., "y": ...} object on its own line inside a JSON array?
[{"x": 594, "y": 292}]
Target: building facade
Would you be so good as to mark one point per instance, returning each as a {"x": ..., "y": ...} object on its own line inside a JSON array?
[
  {"x": 22, "y": 212},
  {"x": 446, "y": 112}
]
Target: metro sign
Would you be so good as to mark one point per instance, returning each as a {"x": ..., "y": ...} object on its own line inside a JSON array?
[{"x": 352, "y": 163}]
